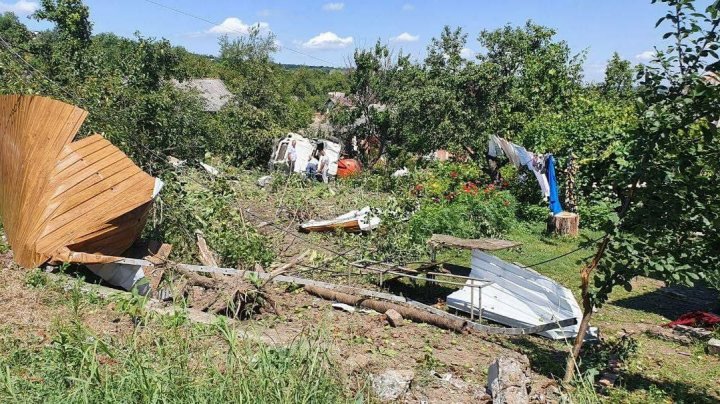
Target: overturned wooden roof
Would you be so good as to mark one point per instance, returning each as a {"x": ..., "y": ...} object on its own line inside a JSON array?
[
  {"x": 212, "y": 91},
  {"x": 62, "y": 200}
]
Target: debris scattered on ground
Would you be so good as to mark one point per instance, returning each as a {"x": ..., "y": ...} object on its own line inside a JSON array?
[
  {"x": 392, "y": 384},
  {"x": 264, "y": 181},
  {"x": 401, "y": 173},
  {"x": 714, "y": 346},
  {"x": 176, "y": 162},
  {"x": 696, "y": 319},
  {"x": 608, "y": 379},
  {"x": 503, "y": 297},
  {"x": 353, "y": 221},
  {"x": 232, "y": 296},
  {"x": 206, "y": 256},
  {"x": 509, "y": 380},
  {"x": 91, "y": 210},
  {"x": 343, "y": 307},
  {"x": 694, "y": 332},
  {"x": 394, "y": 318},
  {"x": 210, "y": 169}
]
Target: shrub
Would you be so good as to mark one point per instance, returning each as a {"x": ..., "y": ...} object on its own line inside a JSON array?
[
  {"x": 189, "y": 204},
  {"x": 468, "y": 214}
]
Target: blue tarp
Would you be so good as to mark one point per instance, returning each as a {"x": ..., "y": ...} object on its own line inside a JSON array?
[{"x": 554, "y": 199}]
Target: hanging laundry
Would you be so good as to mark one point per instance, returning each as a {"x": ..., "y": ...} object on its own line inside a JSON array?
[
  {"x": 509, "y": 151},
  {"x": 523, "y": 155},
  {"x": 555, "y": 206},
  {"x": 542, "y": 181},
  {"x": 494, "y": 149}
]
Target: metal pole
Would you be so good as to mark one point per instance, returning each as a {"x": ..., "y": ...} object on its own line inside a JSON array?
[{"x": 472, "y": 299}]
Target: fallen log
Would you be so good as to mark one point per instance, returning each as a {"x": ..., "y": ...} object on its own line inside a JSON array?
[
  {"x": 386, "y": 296},
  {"x": 411, "y": 313}
]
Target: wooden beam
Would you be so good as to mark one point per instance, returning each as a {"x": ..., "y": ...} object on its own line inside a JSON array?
[{"x": 483, "y": 244}]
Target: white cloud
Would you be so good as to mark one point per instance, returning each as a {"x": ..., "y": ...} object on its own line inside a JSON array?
[
  {"x": 645, "y": 56},
  {"x": 235, "y": 26},
  {"x": 405, "y": 37},
  {"x": 328, "y": 40},
  {"x": 21, "y": 7},
  {"x": 467, "y": 53},
  {"x": 333, "y": 6},
  {"x": 408, "y": 7}
]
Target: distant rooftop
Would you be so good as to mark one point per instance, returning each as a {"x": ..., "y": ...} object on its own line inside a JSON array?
[{"x": 213, "y": 92}]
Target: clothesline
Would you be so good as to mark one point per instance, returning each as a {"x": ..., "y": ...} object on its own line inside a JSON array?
[{"x": 541, "y": 165}]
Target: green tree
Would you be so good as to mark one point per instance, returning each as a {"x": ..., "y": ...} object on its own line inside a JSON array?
[
  {"x": 64, "y": 48},
  {"x": 618, "y": 77},
  {"x": 665, "y": 181},
  {"x": 524, "y": 72}
]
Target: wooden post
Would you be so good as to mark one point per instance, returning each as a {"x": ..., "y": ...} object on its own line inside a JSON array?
[{"x": 564, "y": 224}]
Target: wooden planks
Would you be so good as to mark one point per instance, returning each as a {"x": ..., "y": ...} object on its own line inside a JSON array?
[
  {"x": 482, "y": 244},
  {"x": 56, "y": 195}
]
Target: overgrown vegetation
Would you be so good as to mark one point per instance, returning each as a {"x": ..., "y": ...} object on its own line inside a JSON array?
[{"x": 166, "y": 360}]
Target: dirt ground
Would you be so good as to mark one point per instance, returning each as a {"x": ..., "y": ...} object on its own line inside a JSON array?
[{"x": 448, "y": 367}]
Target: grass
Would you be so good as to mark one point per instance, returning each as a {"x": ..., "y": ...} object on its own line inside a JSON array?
[{"x": 165, "y": 360}]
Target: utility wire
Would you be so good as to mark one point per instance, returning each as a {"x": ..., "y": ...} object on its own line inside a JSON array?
[
  {"x": 36, "y": 72},
  {"x": 185, "y": 13}
]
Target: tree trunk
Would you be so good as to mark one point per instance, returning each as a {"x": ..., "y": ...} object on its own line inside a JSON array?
[
  {"x": 587, "y": 310},
  {"x": 564, "y": 224}
]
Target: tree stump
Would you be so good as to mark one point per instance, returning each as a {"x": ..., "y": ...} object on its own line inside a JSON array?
[{"x": 565, "y": 224}]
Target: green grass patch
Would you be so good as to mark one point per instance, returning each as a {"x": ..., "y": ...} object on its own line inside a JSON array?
[{"x": 165, "y": 364}]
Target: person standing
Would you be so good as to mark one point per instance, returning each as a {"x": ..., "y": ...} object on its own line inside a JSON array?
[
  {"x": 292, "y": 156},
  {"x": 324, "y": 166}
]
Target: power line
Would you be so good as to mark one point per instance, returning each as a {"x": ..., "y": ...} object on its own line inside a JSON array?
[
  {"x": 213, "y": 23},
  {"x": 33, "y": 71}
]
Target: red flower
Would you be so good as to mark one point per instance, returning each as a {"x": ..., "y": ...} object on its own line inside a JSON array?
[
  {"x": 453, "y": 174},
  {"x": 470, "y": 188}
]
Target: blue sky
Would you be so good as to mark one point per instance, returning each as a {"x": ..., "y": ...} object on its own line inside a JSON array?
[{"x": 327, "y": 32}]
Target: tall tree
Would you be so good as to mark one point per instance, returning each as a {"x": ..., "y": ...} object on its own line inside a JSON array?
[
  {"x": 618, "y": 77},
  {"x": 64, "y": 49}
]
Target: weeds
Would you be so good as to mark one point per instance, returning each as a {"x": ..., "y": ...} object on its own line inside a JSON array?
[{"x": 160, "y": 364}]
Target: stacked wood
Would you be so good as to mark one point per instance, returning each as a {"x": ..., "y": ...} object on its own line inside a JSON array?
[{"x": 564, "y": 224}]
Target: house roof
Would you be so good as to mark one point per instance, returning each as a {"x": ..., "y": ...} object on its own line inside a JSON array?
[
  {"x": 213, "y": 92},
  {"x": 339, "y": 98}
]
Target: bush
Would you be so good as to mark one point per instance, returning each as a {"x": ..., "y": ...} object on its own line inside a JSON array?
[
  {"x": 469, "y": 214},
  {"x": 595, "y": 215},
  {"x": 189, "y": 204}
]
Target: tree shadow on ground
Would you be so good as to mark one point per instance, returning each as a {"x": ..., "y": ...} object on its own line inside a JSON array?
[
  {"x": 421, "y": 291},
  {"x": 672, "y": 301},
  {"x": 546, "y": 357},
  {"x": 677, "y": 392}
]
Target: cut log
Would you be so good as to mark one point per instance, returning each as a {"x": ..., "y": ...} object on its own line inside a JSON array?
[
  {"x": 411, "y": 313},
  {"x": 564, "y": 224}
]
